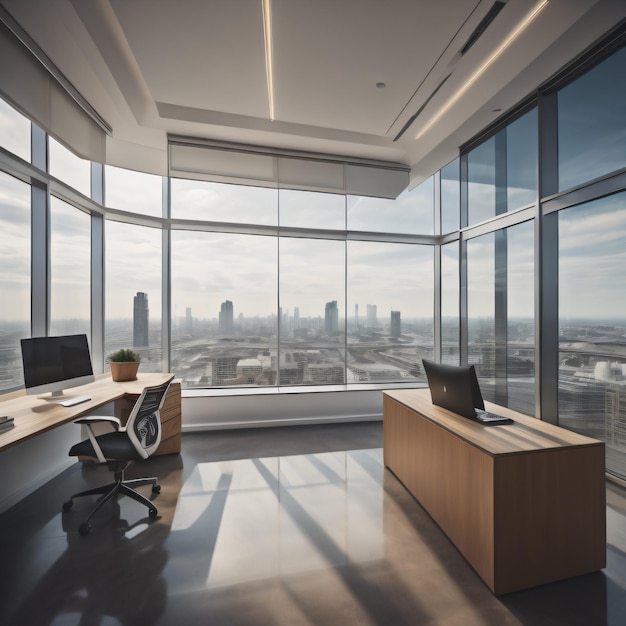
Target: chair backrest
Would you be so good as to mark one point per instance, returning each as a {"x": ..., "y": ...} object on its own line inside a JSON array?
[{"x": 144, "y": 423}]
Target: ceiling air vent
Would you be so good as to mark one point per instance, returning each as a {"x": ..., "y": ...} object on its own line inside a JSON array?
[
  {"x": 414, "y": 117},
  {"x": 484, "y": 23}
]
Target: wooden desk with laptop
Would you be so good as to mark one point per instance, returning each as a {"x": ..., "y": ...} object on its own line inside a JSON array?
[
  {"x": 524, "y": 503},
  {"x": 33, "y": 416}
]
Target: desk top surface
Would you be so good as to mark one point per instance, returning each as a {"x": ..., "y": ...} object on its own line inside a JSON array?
[
  {"x": 33, "y": 416},
  {"x": 526, "y": 434}
]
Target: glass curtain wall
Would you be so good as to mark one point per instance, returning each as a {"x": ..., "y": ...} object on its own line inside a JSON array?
[
  {"x": 15, "y": 278},
  {"x": 390, "y": 311},
  {"x": 502, "y": 176},
  {"x": 224, "y": 296},
  {"x": 349, "y": 281},
  {"x": 312, "y": 322},
  {"x": 70, "y": 269},
  {"x": 450, "y": 320},
  {"x": 134, "y": 260},
  {"x": 591, "y": 242}
]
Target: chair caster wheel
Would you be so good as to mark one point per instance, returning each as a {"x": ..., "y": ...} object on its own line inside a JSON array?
[
  {"x": 156, "y": 488},
  {"x": 68, "y": 505},
  {"x": 152, "y": 513},
  {"x": 84, "y": 529}
]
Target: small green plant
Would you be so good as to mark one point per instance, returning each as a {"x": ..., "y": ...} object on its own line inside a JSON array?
[{"x": 124, "y": 355}]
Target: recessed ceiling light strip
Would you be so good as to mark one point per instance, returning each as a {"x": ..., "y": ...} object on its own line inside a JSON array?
[
  {"x": 483, "y": 68},
  {"x": 267, "y": 29}
]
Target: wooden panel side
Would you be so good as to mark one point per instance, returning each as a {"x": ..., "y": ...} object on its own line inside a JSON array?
[
  {"x": 550, "y": 516},
  {"x": 451, "y": 479}
]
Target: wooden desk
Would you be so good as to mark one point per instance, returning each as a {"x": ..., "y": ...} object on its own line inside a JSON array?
[
  {"x": 34, "y": 416},
  {"x": 525, "y": 503}
]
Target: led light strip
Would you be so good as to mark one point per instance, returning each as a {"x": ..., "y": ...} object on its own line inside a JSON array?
[
  {"x": 267, "y": 29},
  {"x": 483, "y": 68}
]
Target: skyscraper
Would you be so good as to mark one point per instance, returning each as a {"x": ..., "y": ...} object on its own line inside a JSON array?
[
  {"x": 140, "y": 319},
  {"x": 188, "y": 321},
  {"x": 226, "y": 317},
  {"x": 372, "y": 316},
  {"x": 331, "y": 318},
  {"x": 395, "y": 329}
]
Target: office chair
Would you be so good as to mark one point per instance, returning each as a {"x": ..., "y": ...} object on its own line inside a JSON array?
[{"x": 138, "y": 439}]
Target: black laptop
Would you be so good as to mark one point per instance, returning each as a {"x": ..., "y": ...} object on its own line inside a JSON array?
[{"x": 456, "y": 388}]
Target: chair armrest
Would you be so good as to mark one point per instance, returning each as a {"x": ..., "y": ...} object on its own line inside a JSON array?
[
  {"x": 99, "y": 419},
  {"x": 88, "y": 421}
]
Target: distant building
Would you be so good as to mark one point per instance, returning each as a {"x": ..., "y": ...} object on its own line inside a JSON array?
[
  {"x": 140, "y": 320},
  {"x": 395, "y": 326},
  {"x": 226, "y": 317},
  {"x": 296, "y": 318},
  {"x": 331, "y": 318},
  {"x": 372, "y": 316},
  {"x": 188, "y": 321}
]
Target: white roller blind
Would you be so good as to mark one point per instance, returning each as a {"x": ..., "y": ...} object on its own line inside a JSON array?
[
  {"x": 310, "y": 175},
  {"x": 29, "y": 85},
  {"x": 315, "y": 173},
  {"x": 221, "y": 165},
  {"x": 365, "y": 180}
]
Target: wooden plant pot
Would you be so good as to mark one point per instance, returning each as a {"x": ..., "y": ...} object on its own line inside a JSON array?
[{"x": 124, "y": 371}]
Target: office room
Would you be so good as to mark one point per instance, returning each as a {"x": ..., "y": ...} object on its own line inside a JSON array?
[{"x": 288, "y": 215}]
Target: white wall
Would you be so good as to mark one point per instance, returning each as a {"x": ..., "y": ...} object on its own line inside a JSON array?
[{"x": 256, "y": 409}]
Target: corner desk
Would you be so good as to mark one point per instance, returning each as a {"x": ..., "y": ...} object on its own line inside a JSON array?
[
  {"x": 524, "y": 503},
  {"x": 34, "y": 416}
]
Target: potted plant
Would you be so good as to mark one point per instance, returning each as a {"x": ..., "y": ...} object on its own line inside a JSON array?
[{"x": 124, "y": 364}]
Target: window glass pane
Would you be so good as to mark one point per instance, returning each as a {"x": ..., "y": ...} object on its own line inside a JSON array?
[
  {"x": 15, "y": 267},
  {"x": 133, "y": 191},
  {"x": 310, "y": 209},
  {"x": 450, "y": 327},
  {"x": 450, "y": 197},
  {"x": 390, "y": 311},
  {"x": 222, "y": 202},
  {"x": 481, "y": 307},
  {"x": 14, "y": 131},
  {"x": 70, "y": 272},
  {"x": 224, "y": 300},
  {"x": 312, "y": 311},
  {"x": 521, "y": 161},
  {"x": 592, "y": 123},
  {"x": 592, "y": 323},
  {"x": 520, "y": 365},
  {"x": 69, "y": 168},
  {"x": 412, "y": 212},
  {"x": 133, "y": 292},
  {"x": 481, "y": 182},
  {"x": 500, "y": 312}
]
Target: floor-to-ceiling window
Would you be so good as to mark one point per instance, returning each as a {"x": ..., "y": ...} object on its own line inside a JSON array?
[
  {"x": 15, "y": 277},
  {"x": 133, "y": 292},
  {"x": 70, "y": 269},
  {"x": 224, "y": 308},
  {"x": 591, "y": 137},
  {"x": 267, "y": 284},
  {"x": 502, "y": 177}
]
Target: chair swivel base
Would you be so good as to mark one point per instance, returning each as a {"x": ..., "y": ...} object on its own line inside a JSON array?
[{"x": 112, "y": 490}]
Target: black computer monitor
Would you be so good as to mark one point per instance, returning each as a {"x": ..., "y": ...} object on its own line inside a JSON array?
[{"x": 52, "y": 364}]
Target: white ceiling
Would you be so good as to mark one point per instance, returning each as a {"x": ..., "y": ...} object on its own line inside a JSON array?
[{"x": 197, "y": 68}]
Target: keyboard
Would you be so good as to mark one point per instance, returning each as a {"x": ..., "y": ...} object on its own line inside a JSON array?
[
  {"x": 73, "y": 401},
  {"x": 491, "y": 419}
]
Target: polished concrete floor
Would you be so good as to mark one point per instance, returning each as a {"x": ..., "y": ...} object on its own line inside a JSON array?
[{"x": 295, "y": 526}]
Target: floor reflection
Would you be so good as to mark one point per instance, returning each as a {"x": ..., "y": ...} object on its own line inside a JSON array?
[
  {"x": 295, "y": 526},
  {"x": 263, "y": 518}
]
